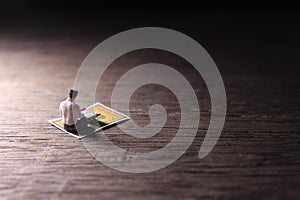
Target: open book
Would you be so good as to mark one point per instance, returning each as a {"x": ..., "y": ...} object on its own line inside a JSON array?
[{"x": 107, "y": 117}]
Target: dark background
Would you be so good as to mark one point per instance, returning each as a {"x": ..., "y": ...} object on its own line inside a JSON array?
[{"x": 264, "y": 31}]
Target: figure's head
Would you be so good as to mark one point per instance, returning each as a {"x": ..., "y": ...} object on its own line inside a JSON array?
[{"x": 73, "y": 94}]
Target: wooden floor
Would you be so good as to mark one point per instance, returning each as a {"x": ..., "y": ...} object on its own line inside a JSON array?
[{"x": 256, "y": 157}]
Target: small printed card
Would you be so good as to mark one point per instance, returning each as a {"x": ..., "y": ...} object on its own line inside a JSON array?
[{"x": 106, "y": 117}]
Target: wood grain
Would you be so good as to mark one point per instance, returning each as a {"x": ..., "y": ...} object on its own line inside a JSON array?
[{"x": 257, "y": 155}]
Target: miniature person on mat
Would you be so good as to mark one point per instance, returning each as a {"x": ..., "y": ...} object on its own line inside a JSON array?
[{"x": 71, "y": 114}]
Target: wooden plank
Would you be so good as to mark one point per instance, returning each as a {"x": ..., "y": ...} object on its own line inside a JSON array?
[{"x": 257, "y": 155}]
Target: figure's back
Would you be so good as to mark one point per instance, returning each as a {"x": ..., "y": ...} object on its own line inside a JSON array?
[{"x": 67, "y": 108}]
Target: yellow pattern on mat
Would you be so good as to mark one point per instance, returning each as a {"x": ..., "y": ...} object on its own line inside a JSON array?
[
  {"x": 59, "y": 123},
  {"x": 107, "y": 116}
]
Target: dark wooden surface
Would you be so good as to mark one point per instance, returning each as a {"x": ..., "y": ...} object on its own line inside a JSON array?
[{"x": 257, "y": 155}]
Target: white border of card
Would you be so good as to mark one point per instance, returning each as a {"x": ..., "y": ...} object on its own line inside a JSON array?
[{"x": 97, "y": 130}]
